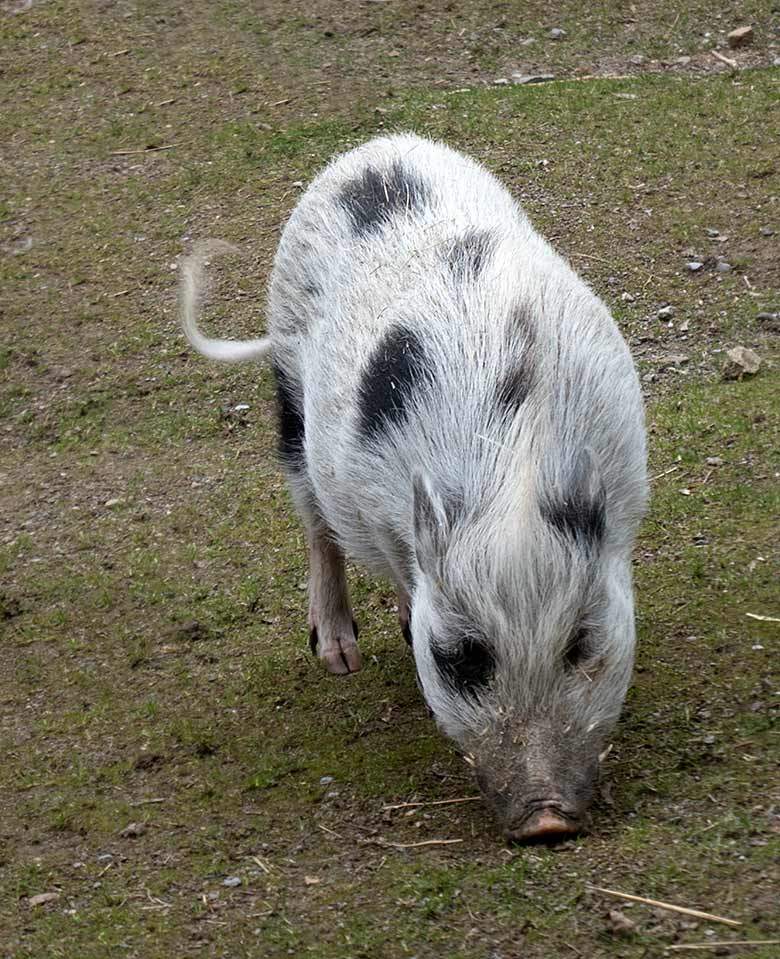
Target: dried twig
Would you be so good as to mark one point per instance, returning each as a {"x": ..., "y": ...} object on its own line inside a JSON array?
[
  {"x": 734, "y": 944},
  {"x": 671, "y": 469},
  {"x": 416, "y": 845},
  {"x": 727, "y": 60},
  {"x": 592, "y": 256},
  {"x": 129, "y": 153},
  {"x": 332, "y": 832},
  {"x": 667, "y": 905},
  {"x": 763, "y": 619},
  {"x": 434, "y": 802},
  {"x": 147, "y": 802}
]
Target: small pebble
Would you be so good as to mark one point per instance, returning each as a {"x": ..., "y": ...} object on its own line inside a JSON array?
[
  {"x": 231, "y": 881},
  {"x": 557, "y": 33},
  {"x": 326, "y": 780},
  {"x": 767, "y": 231},
  {"x": 740, "y": 362},
  {"x": 42, "y": 898},
  {"x": 133, "y": 829},
  {"x": 694, "y": 266},
  {"x": 740, "y": 37},
  {"x": 666, "y": 313},
  {"x": 723, "y": 267}
]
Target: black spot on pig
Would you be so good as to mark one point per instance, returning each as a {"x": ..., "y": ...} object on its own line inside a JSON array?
[
  {"x": 579, "y": 512},
  {"x": 467, "y": 667},
  {"x": 578, "y": 648},
  {"x": 518, "y": 379},
  {"x": 467, "y": 256},
  {"x": 376, "y": 196},
  {"x": 395, "y": 370},
  {"x": 291, "y": 425},
  {"x": 514, "y": 387}
]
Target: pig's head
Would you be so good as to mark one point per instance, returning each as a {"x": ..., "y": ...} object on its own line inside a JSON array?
[{"x": 523, "y": 633}]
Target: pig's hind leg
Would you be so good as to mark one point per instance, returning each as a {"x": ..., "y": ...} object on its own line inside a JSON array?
[{"x": 332, "y": 631}]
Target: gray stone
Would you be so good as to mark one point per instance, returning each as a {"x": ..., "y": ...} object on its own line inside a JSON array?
[{"x": 741, "y": 362}]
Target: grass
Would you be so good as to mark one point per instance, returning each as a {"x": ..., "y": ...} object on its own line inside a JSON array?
[{"x": 152, "y": 567}]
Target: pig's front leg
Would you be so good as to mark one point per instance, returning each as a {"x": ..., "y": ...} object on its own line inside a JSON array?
[{"x": 332, "y": 630}]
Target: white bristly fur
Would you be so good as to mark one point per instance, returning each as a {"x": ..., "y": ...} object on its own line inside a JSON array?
[{"x": 500, "y": 568}]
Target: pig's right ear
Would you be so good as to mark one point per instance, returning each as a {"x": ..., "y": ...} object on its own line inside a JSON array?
[{"x": 431, "y": 525}]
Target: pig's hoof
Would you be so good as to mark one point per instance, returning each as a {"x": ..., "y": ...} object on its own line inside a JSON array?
[{"x": 339, "y": 655}]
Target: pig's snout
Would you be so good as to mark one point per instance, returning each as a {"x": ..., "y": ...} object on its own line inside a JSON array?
[
  {"x": 544, "y": 823},
  {"x": 536, "y": 799}
]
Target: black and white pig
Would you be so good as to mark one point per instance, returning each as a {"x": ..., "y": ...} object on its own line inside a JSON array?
[{"x": 459, "y": 413}]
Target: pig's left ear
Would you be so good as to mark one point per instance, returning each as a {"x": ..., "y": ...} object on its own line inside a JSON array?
[{"x": 431, "y": 524}]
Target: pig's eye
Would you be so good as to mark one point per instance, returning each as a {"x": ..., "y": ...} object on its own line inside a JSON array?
[
  {"x": 578, "y": 648},
  {"x": 467, "y": 666}
]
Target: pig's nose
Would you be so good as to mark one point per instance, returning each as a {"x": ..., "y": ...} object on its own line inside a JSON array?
[{"x": 545, "y": 825}]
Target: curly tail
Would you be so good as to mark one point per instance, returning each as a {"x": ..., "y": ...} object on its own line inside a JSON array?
[{"x": 228, "y": 351}]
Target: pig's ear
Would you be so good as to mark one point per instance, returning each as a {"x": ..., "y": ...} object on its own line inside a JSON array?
[{"x": 431, "y": 524}]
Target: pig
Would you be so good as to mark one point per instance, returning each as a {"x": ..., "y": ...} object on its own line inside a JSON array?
[{"x": 459, "y": 413}]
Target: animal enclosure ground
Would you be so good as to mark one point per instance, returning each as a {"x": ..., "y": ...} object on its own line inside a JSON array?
[{"x": 154, "y": 661}]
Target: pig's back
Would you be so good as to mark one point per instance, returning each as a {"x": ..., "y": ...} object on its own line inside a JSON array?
[{"x": 428, "y": 327}]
